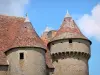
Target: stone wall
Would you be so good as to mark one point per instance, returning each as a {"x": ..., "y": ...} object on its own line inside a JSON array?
[
  {"x": 70, "y": 58},
  {"x": 32, "y": 64},
  {"x": 76, "y": 45},
  {"x": 3, "y": 70},
  {"x": 70, "y": 66}
]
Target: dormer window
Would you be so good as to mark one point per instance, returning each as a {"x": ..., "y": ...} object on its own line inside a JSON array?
[
  {"x": 70, "y": 40},
  {"x": 21, "y": 56}
]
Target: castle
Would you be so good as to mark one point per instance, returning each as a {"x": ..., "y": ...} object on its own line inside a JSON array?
[{"x": 65, "y": 51}]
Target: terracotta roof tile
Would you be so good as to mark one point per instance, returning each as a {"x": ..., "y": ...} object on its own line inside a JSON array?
[
  {"x": 68, "y": 29},
  {"x": 27, "y": 36},
  {"x": 9, "y": 27},
  {"x": 45, "y": 38},
  {"x": 14, "y": 32},
  {"x": 3, "y": 59},
  {"x": 48, "y": 59}
]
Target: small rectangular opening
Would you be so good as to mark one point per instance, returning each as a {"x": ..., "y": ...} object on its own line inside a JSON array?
[
  {"x": 21, "y": 55},
  {"x": 70, "y": 40}
]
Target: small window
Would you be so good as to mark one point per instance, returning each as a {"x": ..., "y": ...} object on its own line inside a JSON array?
[
  {"x": 21, "y": 55},
  {"x": 52, "y": 43},
  {"x": 61, "y": 42},
  {"x": 70, "y": 40}
]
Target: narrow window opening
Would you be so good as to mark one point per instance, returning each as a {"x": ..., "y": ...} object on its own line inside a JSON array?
[
  {"x": 21, "y": 55},
  {"x": 56, "y": 60},
  {"x": 70, "y": 40},
  {"x": 61, "y": 42},
  {"x": 52, "y": 43},
  {"x": 78, "y": 58}
]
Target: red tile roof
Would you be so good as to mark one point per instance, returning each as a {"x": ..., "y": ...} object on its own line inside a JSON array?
[
  {"x": 27, "y": 37},
  {"x": 45, "y": 38},
  {"x": 9, "y": 27},
  {"x": 3, "y": 59},
  {"x": 68, "y": 30},
  {"x": 14, "y": 32},
  {"x": 49, "y": 60}
]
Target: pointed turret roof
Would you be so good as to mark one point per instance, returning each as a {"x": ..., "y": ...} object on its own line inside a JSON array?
[
  {"x": 68, "y": 30},
  {"x": 18, "y": 32},
  {"x": 9, "y": 28},
  {"x": 27, "y": 37}
]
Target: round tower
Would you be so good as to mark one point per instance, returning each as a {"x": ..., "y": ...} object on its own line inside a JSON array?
[
  {"x": 70, "y": 49},
  {"x": 26, "y": 55}
]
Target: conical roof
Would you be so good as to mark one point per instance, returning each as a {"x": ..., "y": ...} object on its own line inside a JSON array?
[
  {"x": 68, "y": 30},
  {"x": 18, "y": 32},
  {"x": 9, "y": 27},
  {"x": 27, "y": 37}
]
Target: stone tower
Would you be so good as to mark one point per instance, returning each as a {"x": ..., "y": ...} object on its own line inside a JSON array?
[
  {"x": 70, "y": 49},
  {"x": 26, "y": 55},
  {"x": 46, "y": 36}
]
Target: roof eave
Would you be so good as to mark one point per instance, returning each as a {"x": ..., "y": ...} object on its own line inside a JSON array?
[
  {"x": 67, "y": 39},
  {"x": 25, "y": 47}
]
